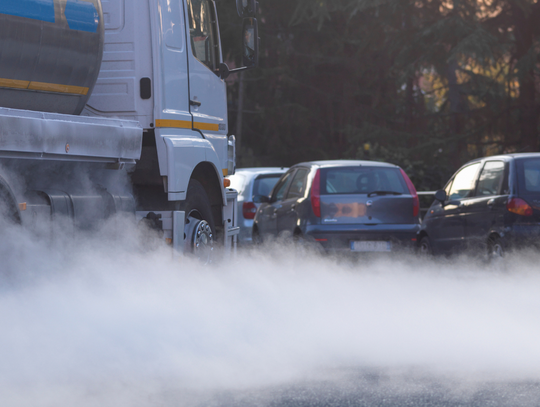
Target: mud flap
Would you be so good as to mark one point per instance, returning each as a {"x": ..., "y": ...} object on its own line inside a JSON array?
[{"x": 230, "y": 222}]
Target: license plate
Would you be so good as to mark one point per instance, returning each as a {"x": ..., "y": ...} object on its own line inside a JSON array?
[{"x": 371, "y": 246}]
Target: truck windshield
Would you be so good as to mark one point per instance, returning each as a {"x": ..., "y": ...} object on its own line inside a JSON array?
[{"x": 202, "y": 32}]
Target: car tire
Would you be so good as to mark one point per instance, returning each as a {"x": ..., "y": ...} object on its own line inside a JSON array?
[
  {"x": 425, "y": 248},
  {"x": 307, "y": 243},
  {"x": 256, "y": 238},
  {"x": 495, "y": 249}
]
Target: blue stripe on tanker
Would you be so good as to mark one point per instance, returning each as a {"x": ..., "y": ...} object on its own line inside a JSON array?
[
  {"x": 80, "y": 15},
  {"x": 42, "y": 10}
]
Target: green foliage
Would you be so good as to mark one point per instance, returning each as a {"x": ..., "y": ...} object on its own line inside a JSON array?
[{"x": 426, "y": 84}]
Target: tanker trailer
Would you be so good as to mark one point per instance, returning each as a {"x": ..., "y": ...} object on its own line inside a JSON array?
[{"x": 95, "y": 92}]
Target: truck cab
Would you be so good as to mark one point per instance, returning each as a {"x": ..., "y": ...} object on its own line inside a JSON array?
[{"x": 162, "y": 76}]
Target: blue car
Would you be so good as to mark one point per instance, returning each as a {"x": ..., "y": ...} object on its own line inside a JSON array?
[
  {"x": 489, "y": 206},
  {"x": 342, "y": 206}
]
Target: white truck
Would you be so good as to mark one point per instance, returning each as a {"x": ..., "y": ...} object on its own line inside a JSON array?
[{"x": 110, "y": 106}]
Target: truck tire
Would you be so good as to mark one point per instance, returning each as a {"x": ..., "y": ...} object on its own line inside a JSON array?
[
  {"x": 8, "y": 208},
  {"x": 199, "y": 228}
]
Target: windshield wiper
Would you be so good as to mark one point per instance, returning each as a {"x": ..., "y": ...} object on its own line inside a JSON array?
[{"x": 384, "y": 193}]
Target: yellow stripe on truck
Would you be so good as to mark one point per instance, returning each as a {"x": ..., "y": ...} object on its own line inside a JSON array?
[
  {"x": 53, "y": 87},
  {"x": 185, "y": 124},
  {"x": 44, "y": 87},
  {"x": 206, "y": 126},
  {"x": 14, "y": 83},
  {"x": 176, "y": 124}
]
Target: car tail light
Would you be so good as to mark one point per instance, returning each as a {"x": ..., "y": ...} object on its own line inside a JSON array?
[
  {"x": 249, "y": 210},
  {"x": 316, "y": 194},
  {"x": 519, "y": 206},
  {"x": 412, "y": 191}
]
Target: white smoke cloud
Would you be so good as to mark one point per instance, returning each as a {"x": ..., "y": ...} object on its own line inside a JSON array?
[{"x": 92, "y": 319}]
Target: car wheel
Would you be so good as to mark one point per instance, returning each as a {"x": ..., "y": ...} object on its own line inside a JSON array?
[
  {"x": 256, "y": 237},
  {"x": 307, "y": 243},
  {"x": 424, "y": 248},
  {"x": 496, "y": 248},
  {"x": 199, "y": 229}
]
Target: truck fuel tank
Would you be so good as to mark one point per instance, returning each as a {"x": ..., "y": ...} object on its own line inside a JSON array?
[{"x": 50, "y": 53}]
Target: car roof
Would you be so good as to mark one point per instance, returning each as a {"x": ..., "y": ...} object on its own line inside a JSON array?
[
  {"x": 505, "y": 157},
  {"x": 345, "y": 163},
  {"x": 261, "y": 170}
]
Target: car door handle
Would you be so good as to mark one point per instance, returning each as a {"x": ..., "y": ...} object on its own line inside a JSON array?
[
  {"x": 491, "y": 202},
  {"x": 194, "y": 103}
]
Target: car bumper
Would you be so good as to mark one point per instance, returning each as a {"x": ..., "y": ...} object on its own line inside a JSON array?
[
  {"x": 339, "y": 238},
  {"x": 523, "y": 235}
]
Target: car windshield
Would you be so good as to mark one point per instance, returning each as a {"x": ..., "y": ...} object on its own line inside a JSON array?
[
  {"x": 264, "y": 183},
  {"x": 529, "y": 175},
  {"x": 362, "y": 180}
]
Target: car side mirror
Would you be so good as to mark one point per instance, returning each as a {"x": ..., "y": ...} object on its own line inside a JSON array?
[
  {"x": 440, "y": 195},
  {"x": 261, "y": 199}
]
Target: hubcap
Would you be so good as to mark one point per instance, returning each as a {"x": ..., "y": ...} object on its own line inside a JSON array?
[
  {"x": 199, "y": 239},
  {"x": 497, "y": 251}
]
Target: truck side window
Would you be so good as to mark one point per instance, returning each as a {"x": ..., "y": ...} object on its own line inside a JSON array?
[{"x": 202, "y": 32}]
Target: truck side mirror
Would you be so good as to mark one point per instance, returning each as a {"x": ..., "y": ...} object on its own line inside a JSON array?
[
  {"x": 247, "y": 8},
  {"x": 250, "y": 45},
  {"x": 250, "y": 49},
  {"x": 440, "y": 195}
]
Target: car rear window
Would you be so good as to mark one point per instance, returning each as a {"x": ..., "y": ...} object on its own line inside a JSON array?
[
  {"x": 361, "y": 180},
  {"x": 264, "y": 183},
  {"x": 529, "y": 175}
]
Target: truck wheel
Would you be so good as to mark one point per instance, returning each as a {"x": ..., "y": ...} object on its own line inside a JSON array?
[{"x": 199, "y": 228}]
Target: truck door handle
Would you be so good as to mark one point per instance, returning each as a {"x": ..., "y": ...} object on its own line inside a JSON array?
[
  {"x": 194, "y": 103},
  {"x": 490, "y": 203}
]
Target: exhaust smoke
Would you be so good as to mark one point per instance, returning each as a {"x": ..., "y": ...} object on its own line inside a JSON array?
[{"x": 99, "y": 319}]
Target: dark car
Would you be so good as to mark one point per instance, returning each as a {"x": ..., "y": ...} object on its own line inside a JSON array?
[
  {"x": 489, "y": 206},
  {"x": 345, "y": 206}
]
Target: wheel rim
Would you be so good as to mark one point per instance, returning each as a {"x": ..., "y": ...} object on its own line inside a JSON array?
[
  {"x": 199, "y": 239},
  {"x": 497, "y": 252},
  {"x": 424, "y": 248}
]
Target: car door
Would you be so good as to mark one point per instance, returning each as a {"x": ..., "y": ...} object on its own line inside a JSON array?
[
  {"x": 287, "y": 214},
  {"x": 447, "y": 219},
  {"x": 267, "y": 213},
  {"x": 486, "y": 209}
]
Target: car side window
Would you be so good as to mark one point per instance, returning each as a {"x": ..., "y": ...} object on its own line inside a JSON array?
[
  {"x": 490, "y": 179},
  {"x": 281, "y": 187},
  {"x": 298, "y": 184},
  {"x": 464, "y": 182}
]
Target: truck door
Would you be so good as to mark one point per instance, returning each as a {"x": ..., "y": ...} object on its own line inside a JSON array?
[{"x": 207, "y": 91}]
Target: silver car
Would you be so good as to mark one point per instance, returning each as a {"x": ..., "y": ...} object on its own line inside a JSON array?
[
  {"x": 251, "y": 184},
  {"x": 343, "y": 206}
]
